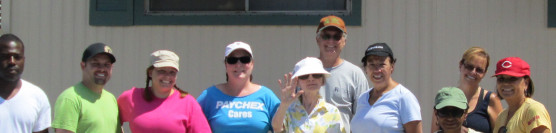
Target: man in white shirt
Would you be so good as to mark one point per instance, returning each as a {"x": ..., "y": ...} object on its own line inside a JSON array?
[{"x": 24, "y": 106}]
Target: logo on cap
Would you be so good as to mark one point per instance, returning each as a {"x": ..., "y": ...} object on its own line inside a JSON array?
[
  {"x": 331, "y": 20},
  {"x": 107, "y": 49},
  {"x": 375, "y": 47},
  {"x": 506, "y": 64}
]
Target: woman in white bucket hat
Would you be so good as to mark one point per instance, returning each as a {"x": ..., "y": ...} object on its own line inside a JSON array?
[{"x": 304, "y": 110}]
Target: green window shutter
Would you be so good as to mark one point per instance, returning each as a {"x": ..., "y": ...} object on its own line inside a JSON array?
[
  {"x": 551, "y": 13},
  {"x": 111, "y": 12}
]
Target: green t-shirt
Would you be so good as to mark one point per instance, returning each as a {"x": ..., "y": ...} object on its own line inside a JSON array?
[{"x": 80, "y": 110}]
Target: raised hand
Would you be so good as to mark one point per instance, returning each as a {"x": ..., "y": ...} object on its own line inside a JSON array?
[{"x": 288, "y": 94}]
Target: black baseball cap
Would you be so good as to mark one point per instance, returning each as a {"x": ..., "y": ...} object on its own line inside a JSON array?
[
  {"x": 98, "y": 48},
  {"x": 378, "y": 49}
]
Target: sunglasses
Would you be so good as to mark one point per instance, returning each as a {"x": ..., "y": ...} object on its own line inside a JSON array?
[
  {"x": 336, "y": 37},
  {"x": 316, "y": 76},
  {"x": 243, "y": 59},
  {"x": 450, "y": 112},
  {"x": 471, "y": 68},
  {"x": 503, "y": 129},
  {"x": 507, "y": 79}
]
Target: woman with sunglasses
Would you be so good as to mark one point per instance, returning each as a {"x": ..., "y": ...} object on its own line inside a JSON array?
[
  {"x": 450, "y": 110},
  {"x": 483, "y": 104},
  {"x": 239, "y": 105},
  {"x": 388, "y": 107},
  {"x": 304, "y": 110},
  {"x": 162, "y": 107},
  {"x": 515, "y": 86}
]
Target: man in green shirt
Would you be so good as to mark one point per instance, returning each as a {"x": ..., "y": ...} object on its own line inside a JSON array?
[{"x": 87, "y": 106}]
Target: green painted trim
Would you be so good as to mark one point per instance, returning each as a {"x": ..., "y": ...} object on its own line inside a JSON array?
[
  {"x": 140, "y": 19},
  {"x": 551, "y": 15},
  {"x": 122, "y": 15}
]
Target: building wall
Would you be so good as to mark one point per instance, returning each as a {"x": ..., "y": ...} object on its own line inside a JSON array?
[{"x": 428, "y": 38}]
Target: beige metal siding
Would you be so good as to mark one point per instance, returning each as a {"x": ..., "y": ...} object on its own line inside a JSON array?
[{"x": 428, "y": 38}]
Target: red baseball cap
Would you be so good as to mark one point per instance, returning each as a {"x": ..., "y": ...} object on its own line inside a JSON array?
[{"x": 512, "y": 66}]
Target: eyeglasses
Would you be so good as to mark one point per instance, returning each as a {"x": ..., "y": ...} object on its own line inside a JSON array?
[
  {"x": 450, "y": 112},
  {"x": 471, "y": 68},
  {"x": 243, "y": 59},
  {"x": 503, "y": 129},
  {"x": 336, "y": 37},
  {"x": 507, "y": 79},
  {"x": 316, "y": 76}
]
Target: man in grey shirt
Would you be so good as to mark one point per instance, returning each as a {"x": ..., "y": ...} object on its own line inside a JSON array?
[{"x": 347, "y": 81}]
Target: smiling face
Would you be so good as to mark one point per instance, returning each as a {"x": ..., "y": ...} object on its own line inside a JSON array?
[
  {"x": 239, "y": 70},
  {"x": 472, "y": 71},
  {"x": 510, "y": 87},
  {"x": 312, "y": 83},
  {"x": 97, "y": 69},
  {"x": 448, "y": 119},
  {"x": 12, "y": 60},
  {"x": 379, "y": 70},
  {"x": 328, "y": 45},
  {"x": 163, "y": 78}
]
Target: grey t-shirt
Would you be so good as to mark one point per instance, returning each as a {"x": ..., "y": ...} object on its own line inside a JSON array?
[{"x": 346, "y": 82}]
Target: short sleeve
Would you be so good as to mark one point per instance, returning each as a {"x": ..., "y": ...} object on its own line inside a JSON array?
[
  {"x": 202, "y": 101},
  {"x": 536, "y": 116},
  {"x": 124, "y": 106},
  {"x": 274, "y": 103},
  {"x": 44, "y": 118},
  {"x": 66, "y": 114},
  {"x": 409, "y": 109},
  {"x": 337, "y": 124},
  {"x": 197, "y": 120},
  {"x": 362, "y": 86}
]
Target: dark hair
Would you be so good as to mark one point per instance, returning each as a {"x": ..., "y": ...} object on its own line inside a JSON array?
[
  {"x": 528, "y": 92},
  {"x": 149, "y": 95},
  {"x": 530, "y": 88},
  {"x": 392, "y": 60},
  {"x": 11, "y": 37}
]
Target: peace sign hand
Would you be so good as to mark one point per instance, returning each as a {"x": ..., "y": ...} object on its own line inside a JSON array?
[{"x": 288, "y": 94}]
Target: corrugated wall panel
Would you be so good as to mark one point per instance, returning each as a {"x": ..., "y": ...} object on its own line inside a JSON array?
[{"x": 428, "y": 38}]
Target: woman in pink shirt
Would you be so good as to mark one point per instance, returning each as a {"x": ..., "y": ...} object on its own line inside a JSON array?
[{"x": 162, "y": 107}]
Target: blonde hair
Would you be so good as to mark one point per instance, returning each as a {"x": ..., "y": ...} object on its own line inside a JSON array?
[{"x": 474, "y": 52}]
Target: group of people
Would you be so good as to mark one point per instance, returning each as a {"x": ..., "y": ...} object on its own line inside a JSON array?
[{"x": 321, "y": 94}]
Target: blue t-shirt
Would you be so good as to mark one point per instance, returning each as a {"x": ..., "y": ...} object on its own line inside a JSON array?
[
  {"x": 248, "y": 114},
  {"x": 388, "y": 114}
]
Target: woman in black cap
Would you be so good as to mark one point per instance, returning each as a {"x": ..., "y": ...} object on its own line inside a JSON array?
[{"x": 388, "y": 106}]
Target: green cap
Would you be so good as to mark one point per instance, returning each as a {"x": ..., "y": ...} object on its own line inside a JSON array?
[{"x": 450, "y": 96}]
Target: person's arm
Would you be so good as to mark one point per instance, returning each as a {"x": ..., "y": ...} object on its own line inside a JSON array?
[
  {"x": 434, "y": 125},
  {"x": 198, "y": 120},
  {"x": 62, "y": 131},
  {"x": 541, "y": 129},
  {"x": 362, "y": 86},
  {"x": 43, "y": 131},
  {"x": 494, "y": 108},
  {"x": 413, "y": 127},
  {"x": 288, "y": 95},
  {"x": 66, "y": 114}
]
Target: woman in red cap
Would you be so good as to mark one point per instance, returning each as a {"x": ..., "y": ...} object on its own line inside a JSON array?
[{"x": 524, "y": 114}]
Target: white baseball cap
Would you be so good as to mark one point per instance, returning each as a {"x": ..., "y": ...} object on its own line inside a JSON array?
[
  {"x": 165, "y": 58},
  {"x": 237, "y": 45},
  {"x": 309, "y": 65}
]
